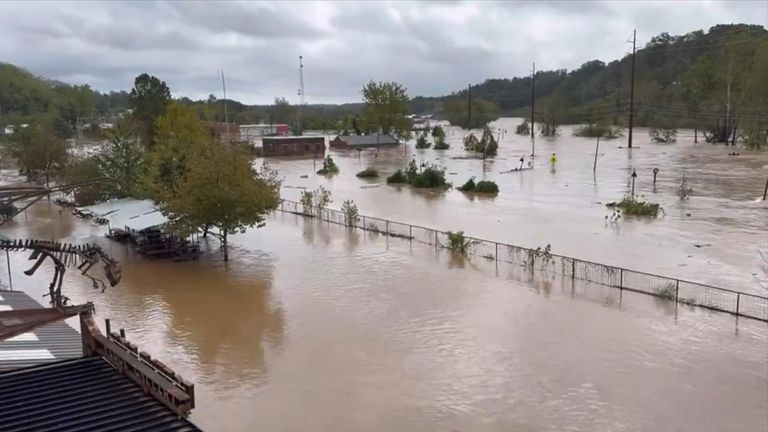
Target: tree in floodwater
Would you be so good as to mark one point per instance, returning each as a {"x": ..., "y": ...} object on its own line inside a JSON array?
[
  {"x": 122, "y": 159},
  {"x": 221, "y": 190},
  {"x": 149, "y": 100},
  {"x": 456, "y": 110},
  {"x": 39, "y": 152},
  {"x": 386, "y": 108}
]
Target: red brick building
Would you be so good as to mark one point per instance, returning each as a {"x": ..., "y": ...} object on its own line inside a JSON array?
[{"x": 293, "y": 146}]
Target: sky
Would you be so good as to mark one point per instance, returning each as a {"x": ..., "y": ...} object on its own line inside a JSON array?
[{"x": 433, "y": 48}]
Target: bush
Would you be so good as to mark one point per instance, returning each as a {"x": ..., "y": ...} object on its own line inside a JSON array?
[
  {"x": 634, "y": 206},
  {"x": 329, "y": 167},
  {"x": 430, "y": 177},
  {"x": 397, "y": 177},
  {"x": 351, "y": 215},
  {"x": 594, "y": 130},
  {"x": 663, "y": 135},
  {"x": 523, "y": 128},
  {"x": 422, "y": 143},
  {"x": 487, "y": 187},
  {"x": 486, "y": 145},
  {"x": 440, "y": 144},
  {"x": 307, "y": 202},
  {"x": 438, "y": 132},
  {"x": 368, "y": 173},
  {"x": 458, "y": 243},
  {"x": 469, "y": 186}
]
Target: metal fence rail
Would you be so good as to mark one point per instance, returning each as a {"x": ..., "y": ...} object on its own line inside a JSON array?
[{"x": 680, "y": 291}]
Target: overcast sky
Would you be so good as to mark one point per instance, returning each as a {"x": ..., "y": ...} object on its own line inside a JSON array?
[{"x": 433, "y": 48}]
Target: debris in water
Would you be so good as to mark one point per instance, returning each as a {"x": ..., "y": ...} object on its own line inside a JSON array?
[
  {"x": 303, "y": 176},
  {"x": 688, "y": 214},
  {"x": 702, "y": 245}
]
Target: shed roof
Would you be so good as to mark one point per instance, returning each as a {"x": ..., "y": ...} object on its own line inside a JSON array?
[
  {"x": 146, "y": 220},
  {"x": 368, "y": 140},
  {"x": 49, "y": 343},
  {"x": 79, "y": 395},
  {"x": 108, "y": 207}
]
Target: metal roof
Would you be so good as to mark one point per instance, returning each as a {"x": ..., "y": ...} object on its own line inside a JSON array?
[
  {"x": 368, "y": 140},
  {"x": 107, "y": 207},
  {"x": 48, "y": 343},
  {"x": 146, "y": 220},
  {"x": 79, "y": 395}
]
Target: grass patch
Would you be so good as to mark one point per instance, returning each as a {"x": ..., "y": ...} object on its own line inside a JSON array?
[
  {"x": 635, "y": 206},
  {"x": 368, "y": 173}
]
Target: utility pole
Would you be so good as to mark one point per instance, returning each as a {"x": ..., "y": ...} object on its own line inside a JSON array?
[
  {"x": 632, "y": 90},
  {"x": 533, "y": 87},
  {"x": 469, "y": 106},
  {"x": 301, "y": 90},
  {"x": 226, "y": 115}
]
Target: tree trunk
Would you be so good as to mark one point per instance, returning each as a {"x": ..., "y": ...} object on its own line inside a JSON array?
[
  {"x": 205, "y": 230},
  {"x": 224, "y": 245}
]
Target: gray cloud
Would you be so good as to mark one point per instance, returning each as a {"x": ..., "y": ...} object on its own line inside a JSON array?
[{"x": 432, "y": 47}]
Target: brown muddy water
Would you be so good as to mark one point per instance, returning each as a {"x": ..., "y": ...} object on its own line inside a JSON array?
[
  {"x": 311, "y": 327},
  {"x": 711, "y": 238}
]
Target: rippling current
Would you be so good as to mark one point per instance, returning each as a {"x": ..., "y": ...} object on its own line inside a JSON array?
[{"x": 311, "y": 327}]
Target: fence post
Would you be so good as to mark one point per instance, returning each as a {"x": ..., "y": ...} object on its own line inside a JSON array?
[
  {"x": 364, "y": 225},
  {"x": 738, "y": 303},
  {"x": 573, "y": 268},
  {"x": 386, "y": 225},
  {"x": 621, "y": 278},
  {"x": 410, "y": 232},
  {"x": 677, "y": 289},
  {"x": 435, "y": 239},
  {"x": 497, "y": 252}
]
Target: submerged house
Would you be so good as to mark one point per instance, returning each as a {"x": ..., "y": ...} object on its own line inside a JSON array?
[
  {"x": 364, "y": 141},
  {"x": 293, "y": 146}
]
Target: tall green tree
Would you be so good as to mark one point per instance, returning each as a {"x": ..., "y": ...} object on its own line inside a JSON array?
[
  {"x": 122, "y": 159},
  {"x": 221, "y": 190},
  {"x": 40, "y": 153},
  {"x": 149, "y": 100},
  {"x": 179, "y": 132},
  {"x": 386, "y": 108}
]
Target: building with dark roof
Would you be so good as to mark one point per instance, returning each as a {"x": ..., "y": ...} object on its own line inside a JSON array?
[
  {"x": 84, "y": 394},
  {"x": 364, "y": 141},
  {"x": 293, "y": 146},
  {"x": 53, "y": 378}
]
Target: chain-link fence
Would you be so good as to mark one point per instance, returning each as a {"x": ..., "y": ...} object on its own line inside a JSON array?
[{"x": 691, "y": 293}]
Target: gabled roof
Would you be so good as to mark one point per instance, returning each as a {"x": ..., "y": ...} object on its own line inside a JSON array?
[
  {"x": 368, "y": 140},
  {"x": 79, "y": 395}
]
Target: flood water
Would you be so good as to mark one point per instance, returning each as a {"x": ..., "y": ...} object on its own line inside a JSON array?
[
  {"x": 711, "y": 238},
  {"x": 311, "y": 327}
]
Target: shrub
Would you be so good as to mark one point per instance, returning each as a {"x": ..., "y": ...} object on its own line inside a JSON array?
[
  {"x": 668, "y": 292},
  {"x": 307, "y": 202},
  {"x": 524, "y": 128},
  {"x": 411, "y": 171},
  {"x": 594, "y": 130},
  {"x": 635, "y": 206},
  {"x": 440, "y": 144},
  {"x": 458, "y": 243},
  {"x": 438, "y": 132},
  {"x": 471, "y": 142},
  {"x": 351, "y": 215},
  {"x": 486, "y": 145},
  {"x": 329, "y": 167},
  {"x": 368, "y": 173},
  {"x": 663, "y": 135},
  {"x": 469, "y": 186},
  {"x": 321, "y": 197},
  {"x": 431, "y": 176},
  {"x": 487, "y": 187},
  {"x": 421, "y": 142},
  {"x": 397, "y": 177}
]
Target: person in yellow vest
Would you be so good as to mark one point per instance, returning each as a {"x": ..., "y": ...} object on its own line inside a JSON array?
[{"x": 553, "y": 159}]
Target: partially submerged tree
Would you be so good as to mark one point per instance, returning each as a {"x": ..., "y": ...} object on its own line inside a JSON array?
[
  {"x": 386, "y": 108},
  {"x": 40, "y": 153},
  {"x": 456, "y": 110},
  {"x": 219, "y": 189},
  {"x": 122, "y": 159},
  {"x": 351, "y": 214},
  {"x": 149, "y": 100}
]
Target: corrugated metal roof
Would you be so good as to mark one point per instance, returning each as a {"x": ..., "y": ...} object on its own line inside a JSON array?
[
  {"x": 368, "y": 140},
  {"x": 79, "y": 395},
  {"x": 45, "y": 344},
  {"x": 144, "y": 221},
  {"x": 108, "y": 207}
]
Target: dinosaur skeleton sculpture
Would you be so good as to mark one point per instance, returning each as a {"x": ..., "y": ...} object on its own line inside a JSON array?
[{"x": 64, "y": 255}]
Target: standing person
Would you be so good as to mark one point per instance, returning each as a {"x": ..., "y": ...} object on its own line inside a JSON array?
[{"x": 553, "y": 159}]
